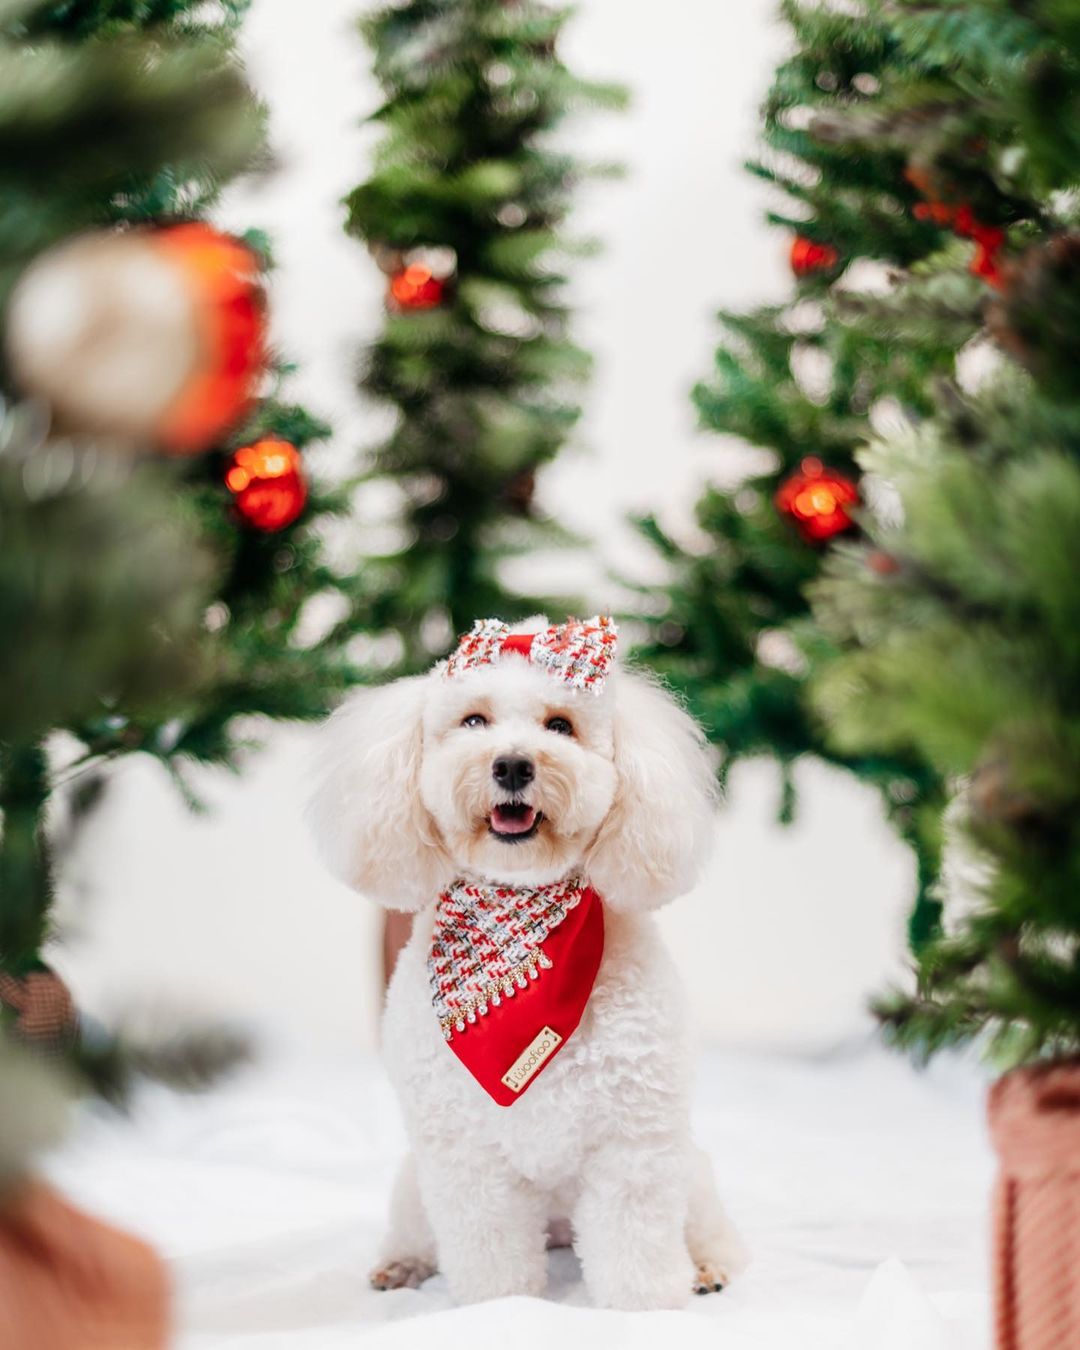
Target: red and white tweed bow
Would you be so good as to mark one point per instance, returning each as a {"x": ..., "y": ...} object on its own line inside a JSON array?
[{"x": 579, "y": 652}]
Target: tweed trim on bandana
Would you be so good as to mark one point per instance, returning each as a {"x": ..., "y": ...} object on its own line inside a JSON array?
[
  {"x": 486, "y": 945},
  {"x": 579, "y": 652}
]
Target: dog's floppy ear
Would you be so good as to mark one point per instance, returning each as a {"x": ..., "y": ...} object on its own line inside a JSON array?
[
  {"x": 659, "y": 830},
  {"x": 371, "y": 826}
]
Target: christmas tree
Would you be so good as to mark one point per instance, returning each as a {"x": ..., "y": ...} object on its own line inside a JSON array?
[
  {"x": 803, "y": 382},
  {"x": 463, "y": 213},
  {"x": 126, "y": 120},
  {"x": 105, "y": 576},
  {"x": 960, "y": 645}
]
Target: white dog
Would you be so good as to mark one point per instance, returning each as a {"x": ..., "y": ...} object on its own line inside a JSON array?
[{"x": 497, "y": 798}]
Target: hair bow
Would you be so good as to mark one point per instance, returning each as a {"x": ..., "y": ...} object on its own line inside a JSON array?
[{"x": 579, "y": 652}]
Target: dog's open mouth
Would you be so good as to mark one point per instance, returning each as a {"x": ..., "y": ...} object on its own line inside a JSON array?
[{"x": 514, "y": 821}]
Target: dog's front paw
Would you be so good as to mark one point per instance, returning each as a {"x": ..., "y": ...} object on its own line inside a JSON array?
[
  {"x": 409, "y": 1272},
  {"x": 709, "y": 1279},
  {"x": 714, "y": 1270}
]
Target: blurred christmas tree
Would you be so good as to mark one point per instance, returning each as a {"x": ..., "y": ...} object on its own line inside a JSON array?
[
  {"x": 105, "y": 573},
  {"x": 134, "y": 324},
  {"x": 964, "y": 649},
  {"x": 803, "y": 382},
  {"x": 463, "y": 214},
  {"x": 274, "y": 559}
]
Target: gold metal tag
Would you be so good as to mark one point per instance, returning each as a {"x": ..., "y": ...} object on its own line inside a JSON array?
[{"x": 532, "y": 1058}]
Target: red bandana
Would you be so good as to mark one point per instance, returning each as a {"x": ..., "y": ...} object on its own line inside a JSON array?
[{"x": 511, "y": 971}]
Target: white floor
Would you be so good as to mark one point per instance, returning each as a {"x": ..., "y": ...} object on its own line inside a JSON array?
[{"x": 860, "y": 1184}]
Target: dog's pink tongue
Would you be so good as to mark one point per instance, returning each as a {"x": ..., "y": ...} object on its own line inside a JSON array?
[{"x": 513, "y": 819}]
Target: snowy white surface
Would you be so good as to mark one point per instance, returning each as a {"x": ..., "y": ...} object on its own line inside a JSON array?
[{"x": 860, "y": 1185}]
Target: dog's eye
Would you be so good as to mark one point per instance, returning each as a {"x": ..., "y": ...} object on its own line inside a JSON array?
[
  {"x": 474, "y": 720},
  {"x": 560, "y": 725}
]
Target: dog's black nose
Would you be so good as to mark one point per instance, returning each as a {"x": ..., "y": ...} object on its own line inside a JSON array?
[{"x": 512, "y": 773}]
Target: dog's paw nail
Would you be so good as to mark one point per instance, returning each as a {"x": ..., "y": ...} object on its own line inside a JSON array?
[
  {"x": 404, "y": 1274},
  {"x": 717, "y": 1288},
  {"x": 700, "y": 1289}
]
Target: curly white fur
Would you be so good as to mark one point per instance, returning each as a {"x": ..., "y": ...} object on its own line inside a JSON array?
[{"x": 603, "y": 1138}]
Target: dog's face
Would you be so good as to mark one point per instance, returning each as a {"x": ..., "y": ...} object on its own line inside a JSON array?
[
  {"x": 517, "y": 770},
  {"x": 505, "y": 772}
]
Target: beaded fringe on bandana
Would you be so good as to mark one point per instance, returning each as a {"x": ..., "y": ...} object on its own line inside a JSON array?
[{"x": 487, "y": 945}]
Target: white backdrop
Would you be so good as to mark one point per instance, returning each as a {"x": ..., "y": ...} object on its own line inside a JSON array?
[{"x": 229, "y": 913}]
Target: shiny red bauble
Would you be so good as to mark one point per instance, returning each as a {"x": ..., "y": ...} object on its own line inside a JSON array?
[
  {"x": 818, "y": 499},
  {"x": 268, "y": 484},
  {"x": 809, "y": 258}
]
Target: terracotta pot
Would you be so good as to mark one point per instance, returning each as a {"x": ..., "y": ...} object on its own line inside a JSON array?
[
  {"x": 1035, "y": 1126},
  {"x": 45, "y": 1015},
  {"x": 69, "y": 1282}
]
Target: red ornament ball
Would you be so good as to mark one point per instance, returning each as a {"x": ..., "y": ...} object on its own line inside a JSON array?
[
  {"x": 818, "y": 500},
  {"x": 148, "y": 336},
  {"x": 268, "y": 484},
  {"x": 809, "y": 258},
  {"x": 416, "y": 287}
]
